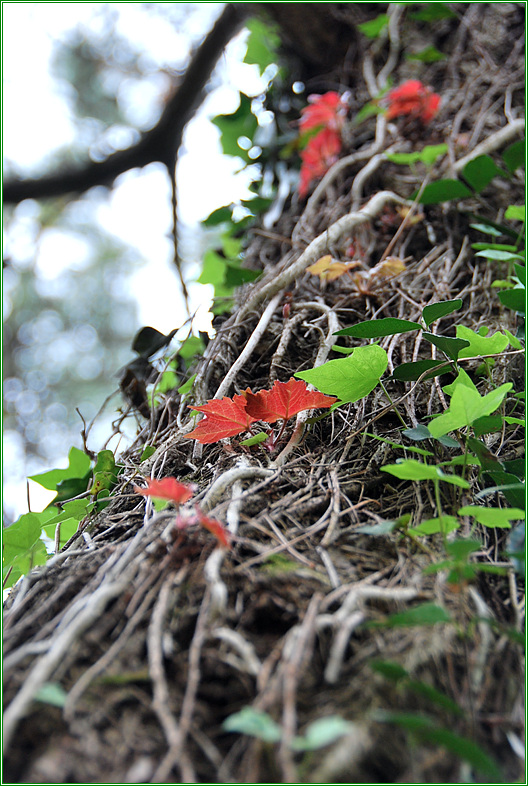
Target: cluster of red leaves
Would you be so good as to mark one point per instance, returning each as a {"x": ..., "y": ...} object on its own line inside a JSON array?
[
  {"x": 326, "y": 112},
  {"x": 227, "y": 417},
  {"x": 412, "y": 99},
  {"x": 177, "y": 492}
]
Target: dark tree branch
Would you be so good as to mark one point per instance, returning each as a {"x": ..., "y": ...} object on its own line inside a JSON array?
[{"x": 161, "y": 143}]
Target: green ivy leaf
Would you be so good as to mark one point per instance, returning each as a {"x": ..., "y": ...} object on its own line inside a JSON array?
[
  {"x": 428, "y": 55},
  {"x": 232, "y": 127},
  {"x": 322, "y": 732},
  {"x": 438, "y": 310},
  {"x": 481, "y": 345},
  {"x": 374, "y": 27},
  {"x": 515, "y": 213},
  {"x": 443, "y": 524},
  {"x": 493, "y": 517},
  {"x": 425, "y": 614},
  {"x": 52, "y": 693},
  {"x": 450, "y": 346},
  {"x": 350, "y": 378},
  {"x": 432, "y": 12},
  {"x": 411, "y": 469},
  {"x": 376, "y": 328},
  {"x": 78, "y": 467},
  {"x": 466, "y": 405},
  {"x": 218, "y": 216},
  {"x": 480, "y": 171},
  {"x": 514, "y": 299},
  {"x": 262, "y": 44},
  {"x": 443, "y": 191},
  {"x": 407, "y": 372},
  {"x": 486, "y": 229},
  {"x": 22, "y": 547},
  {"x": 427, "y": 156},
  {"x": 187, "y": 386},
  {"x": 256, "y": 439},
  {"x": 515, "y": 156},
  {"x": 148, "y": 451},
  {"x": 502, "y": 256},
  {"x": 254, "y": 723}
]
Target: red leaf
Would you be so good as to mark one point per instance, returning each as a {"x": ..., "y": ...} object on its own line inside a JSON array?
[
  {"x": 414, "y": 99},
  {"x": 326, "y": 110},
  {"x": 224, "y": 417},
  {"x": 285, "y": 400},
  {"x": 167, "y": 488},
  {"x": 214, "y": 526},
  {"x": 318, "y": 156}
]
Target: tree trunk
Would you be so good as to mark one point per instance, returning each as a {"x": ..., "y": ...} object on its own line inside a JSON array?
[{"x": 158, "y": 637}]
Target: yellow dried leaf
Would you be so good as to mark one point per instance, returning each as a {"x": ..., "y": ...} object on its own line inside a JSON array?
[
  {"x": 328, "y": 269},
  {"x": 403, "y": 210},
  {"x": 387, "y": 268}
]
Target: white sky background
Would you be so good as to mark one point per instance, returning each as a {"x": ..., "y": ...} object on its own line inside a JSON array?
[{"x": 138, "y": 208}]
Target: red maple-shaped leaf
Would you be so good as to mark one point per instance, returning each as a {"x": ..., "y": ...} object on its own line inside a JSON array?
[
  {"x": 224, "y": 417},
  {"x": 327, "y": 110},
  {"x": 215, "y": 527},
  {"x": 317, "y": 157},
  {"x": 285, "y": 400},
  {"x": 167, "y": 488},
  {"x": 413, "y": 99}
]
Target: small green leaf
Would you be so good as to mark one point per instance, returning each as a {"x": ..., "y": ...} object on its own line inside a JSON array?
[
  {"x": 515, "y": 156},
  {"x": 408, "y": 372},
  {"x": 262, "y": 44},
  {"x": 374, "y": 27},
  {"x": 322, "y": 732},
  {"x": 254, "y": 723},
  {"x": 350, "y": 378},
  {"x": 425, "y": 614},
  {"x": 481, "y": 345},
  {"x": 492, "y": 517},
  {"x": 443, "y": 191},
  {"x": 449, "y": 346},
  {"x": 487, "y": 425},
  {"x": 432, "y": 12},
  {"x": 466, "y": 405},
  {"x": 428, "y": 55},
  {"x": 383, "y": 528},
  {"x": 376, "y": 328},
  {"x": 255, "y": 439},
  {"x": 418, "y": 433},
  {"x": 218, "y": 216},
  {"x": 427, "y": 156},
  {"x": 515, "y": 213},
  {"x": 52, "y": 693},
  {"x": 520, "y": 272},
  {"x": 78, "y": 466},
  {"x": 241, "y": 123},
  {"x": 187, "y": 386},
  {"x": 398, "y": 446},
  {"x": 389, "y": 669},
  {"x": 514, "y": 299},
  {"x": 496, "y": 253},
  {"x": 235, "y": 276},
  {"x": 411, "y": 469},
  {"x": 487, "y": 229},
  {"x": 479, "y": 172},
  {"x": 438, "y": 310},
  {"x": 443, "y": 524},
  {"x": 148, "y": 451}
]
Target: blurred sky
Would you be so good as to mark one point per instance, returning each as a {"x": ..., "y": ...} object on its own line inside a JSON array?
[{"x": 37, "y": 121}]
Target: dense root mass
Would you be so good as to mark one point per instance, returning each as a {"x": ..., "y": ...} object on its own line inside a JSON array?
[{"x": 158, "y": 638}]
